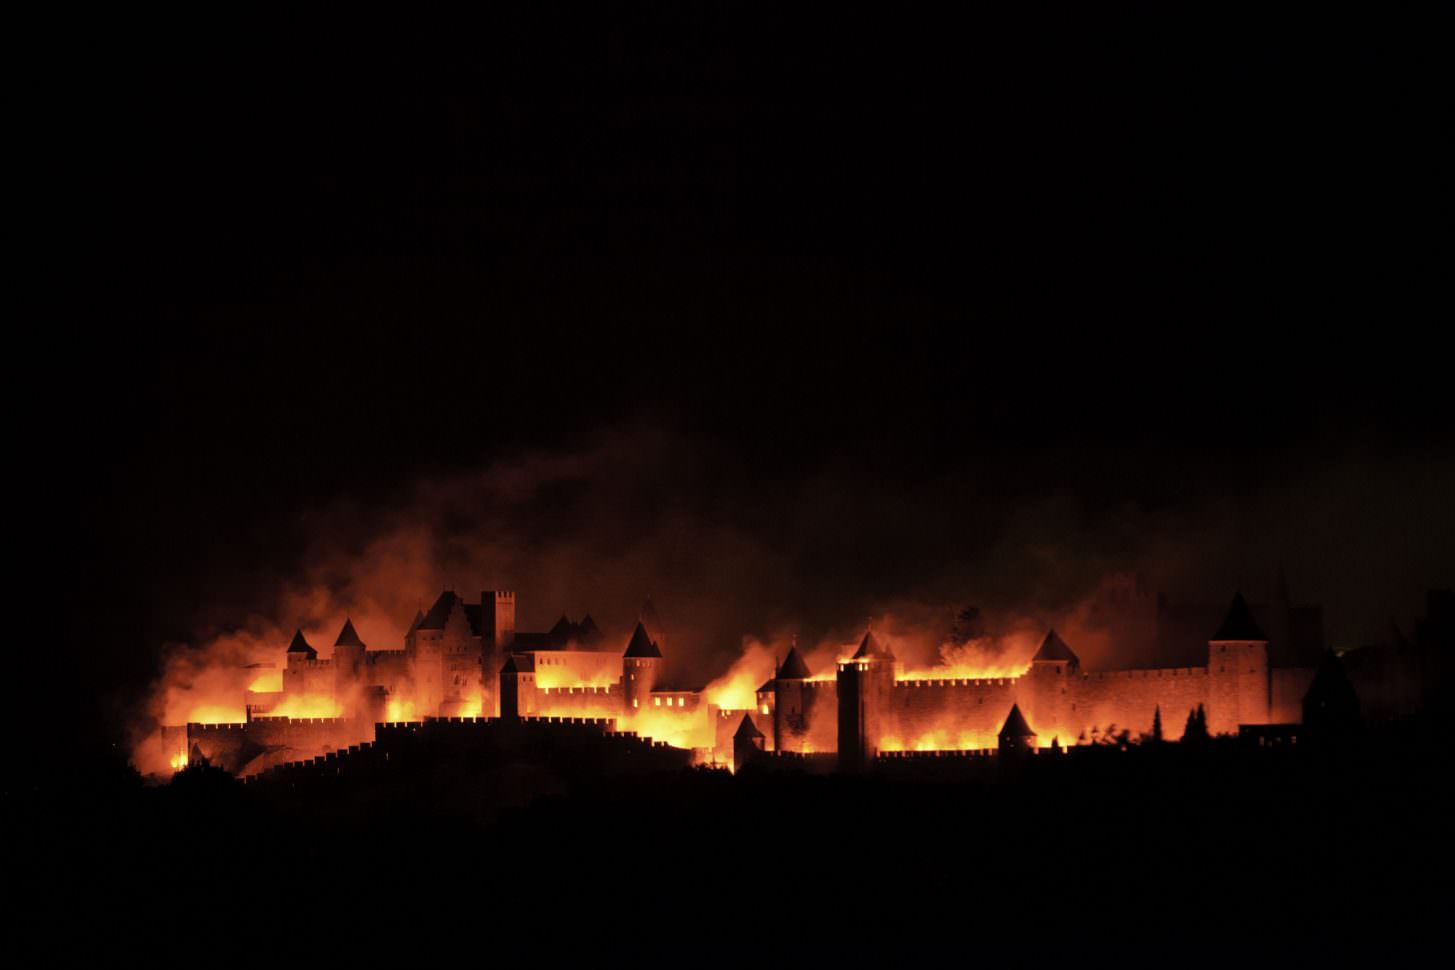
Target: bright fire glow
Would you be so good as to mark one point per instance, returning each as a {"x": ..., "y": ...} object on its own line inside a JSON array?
[
  {"x": 400, "y": 709},
  {"x": 267, "y": 683},
  {"x": 738, "y": 688},
  {"x": 216, "y": 714},
  {"x": 306, "y": 705}
]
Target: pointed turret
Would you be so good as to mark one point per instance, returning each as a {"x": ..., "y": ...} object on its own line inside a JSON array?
[
  {"x": 641, "y": 645},
  {"x": 1239, "y": 624},
  {"x": 1054, "y": 650},
  {"x": 1331, "y": 705},
  {"x": 748, "y": 744},
  {"x": 563, "y": 629},
  {"x": 747, "y": 729},
  {"x": 640, "y": 667},
  {"x": 418, "y": 619},
  {"x": 793, "y": 667},
  {"x": 871, "y": 649},
  {"x": 300, "y": 645},
  {"x": 1015, "y": 725},
  {"x": 588, "y": 629},
  {"x": 348, "y": 637},
  {"x": 1016, "y": 736}
]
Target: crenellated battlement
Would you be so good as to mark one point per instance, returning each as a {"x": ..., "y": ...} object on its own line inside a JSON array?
[
  {"x": 1151, "y": 673},
  {"x": 916, "y": 682},
  {"x": 937, "y": 755}
]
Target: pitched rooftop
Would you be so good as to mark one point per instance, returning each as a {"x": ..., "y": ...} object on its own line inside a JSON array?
[
  {"x": 747, "y": 729},
  {"x": 1239, "y": 623},
  {"x": 347, "y": 637},
  {"x": 793, "y": 667},
  {"x": 1015, "y": 725},
  {"x": 871, "y": 649},
  {"x": 641, "y": 645},
  {"x": 300, "y": 645},
  {"x": 439, "y": 613},
  {"x": 1054, "y": 650},
  {"x": 519, "y": 664}
]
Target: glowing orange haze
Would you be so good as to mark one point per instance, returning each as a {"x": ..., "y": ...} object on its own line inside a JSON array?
[{"x": 212, "y": 684}]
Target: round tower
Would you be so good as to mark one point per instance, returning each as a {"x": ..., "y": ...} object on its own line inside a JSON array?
[
  {"x": 301, "y": 659},
  {"x": 348, "y": 659},
  {"x": 747, "y": 744},
  {"x": 1016, "y": 737},
  {"x": 641, "y": 666},
  {"x": 789, "y": 708},
  {"x": 865, "y": 689}
]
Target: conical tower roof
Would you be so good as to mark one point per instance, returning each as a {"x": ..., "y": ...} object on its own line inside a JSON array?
[
  {"x": 871, "y": 649},
  {"x": 1239, "y": 623},
  {"x": 1015, "y": 725},
  {"x": 641, "y": 645},
  {"x": 348, "y": 637},
  {"x": 793, "y": 667},
  {"x": 1054, "y": 650},
  {"x": 300, "y": 645},
  {"x": 747, "y": 729}
]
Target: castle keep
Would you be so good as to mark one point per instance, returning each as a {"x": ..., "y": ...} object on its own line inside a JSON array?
[{"x": 464, "y": 661}]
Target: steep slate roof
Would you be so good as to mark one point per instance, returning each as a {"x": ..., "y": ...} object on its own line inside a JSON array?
[
  {"x": 1015, "y": 725},
  {"x": 564, "y": 635},
  {"x": 439, "y": 613},
  {"x": 747, "y": 729},
  {"x": 347, "y": 637},
  {"x": 767, "y": 687},
  {"x": 1331, "y": 692},
  {"x": 1054, "y": 650},
  {"x": 871, "y": 649},
  {"x": 641, "y": 645},
  {"x": 418, "y": 619},
  {"x": 1239, "y": 623},
  {"x": 519, "y": 663},
  {"x": 300, "y": 645},
  {"x": 793, "y": 667}
]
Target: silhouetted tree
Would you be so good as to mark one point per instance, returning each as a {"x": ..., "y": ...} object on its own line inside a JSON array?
[
  {"x": 1157, "y": 724},
  {"x": 1196, "y": 729}
]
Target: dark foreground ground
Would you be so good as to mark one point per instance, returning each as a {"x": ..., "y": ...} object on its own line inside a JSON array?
[{"x": 1202, "y": 849}]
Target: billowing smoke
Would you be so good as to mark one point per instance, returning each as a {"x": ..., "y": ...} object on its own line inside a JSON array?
[{"x": 738, "y": 561}]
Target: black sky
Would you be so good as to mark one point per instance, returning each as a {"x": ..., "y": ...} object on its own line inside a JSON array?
[{"x": 1191, "y": 264}]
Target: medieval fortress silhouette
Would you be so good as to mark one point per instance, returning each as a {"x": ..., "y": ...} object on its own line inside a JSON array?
[{"x": 466, "y": 662}]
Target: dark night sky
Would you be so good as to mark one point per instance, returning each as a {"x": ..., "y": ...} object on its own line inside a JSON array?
[{"x": 1179, "y": 270}]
